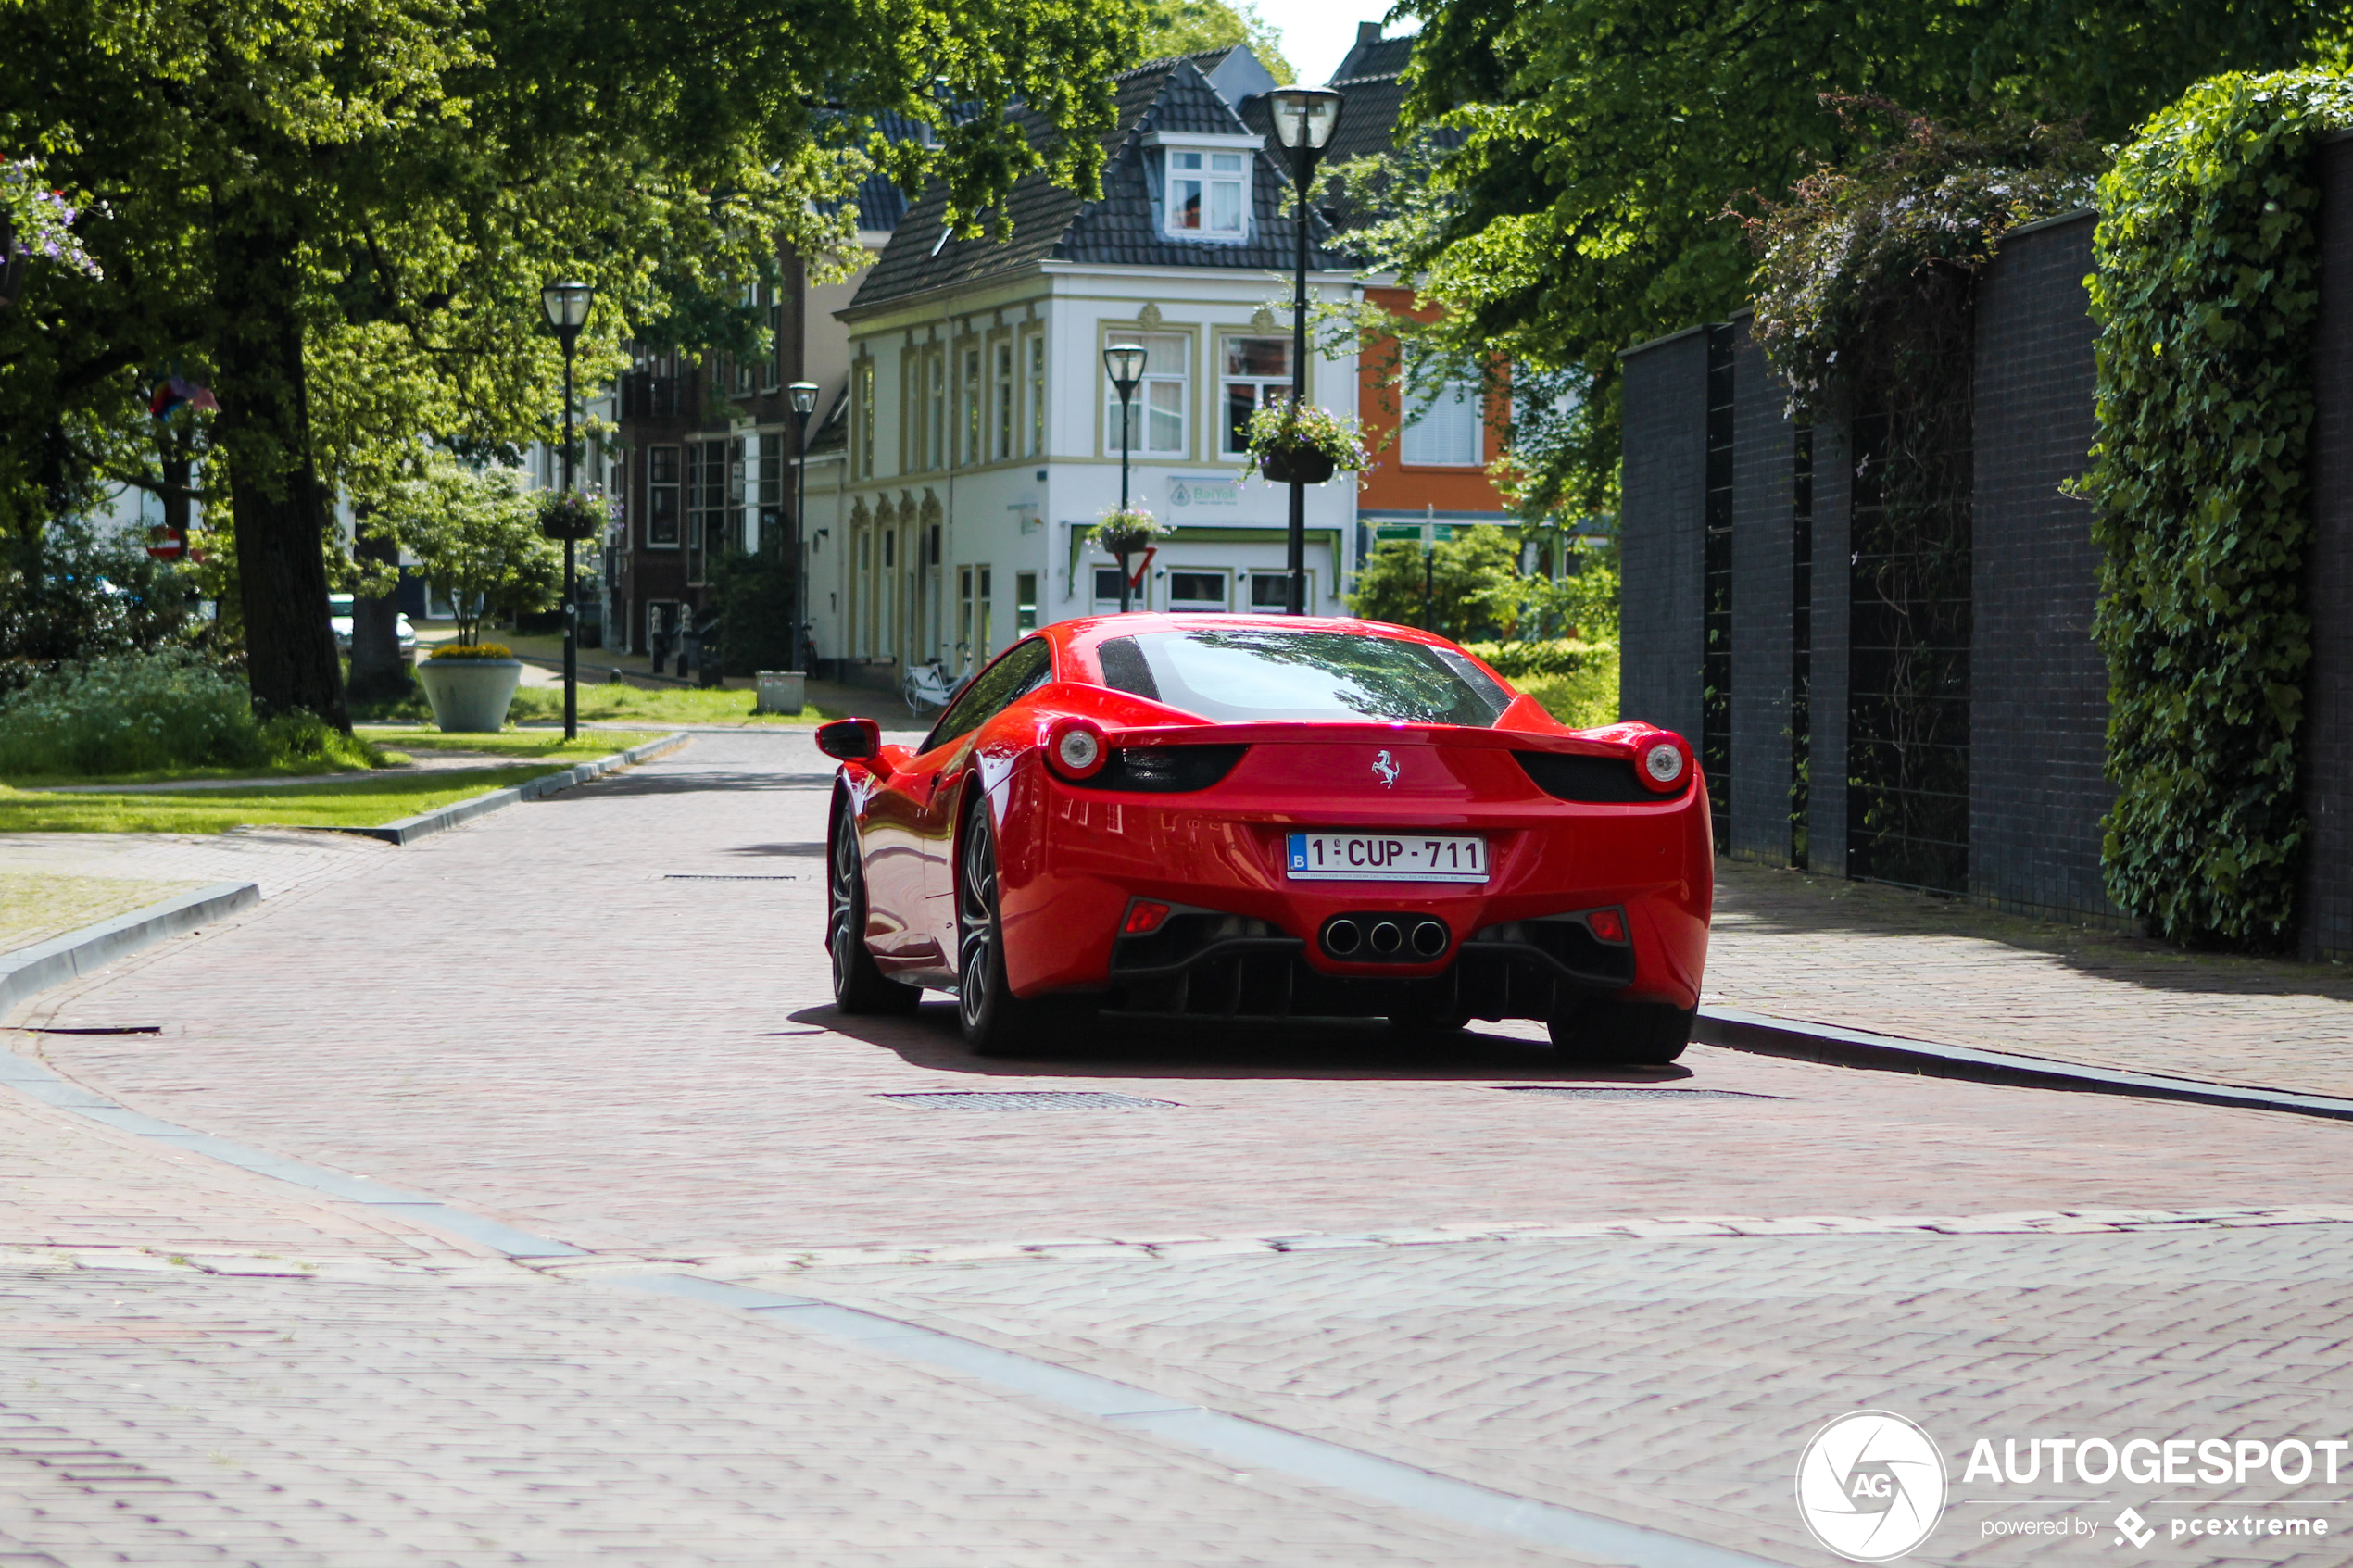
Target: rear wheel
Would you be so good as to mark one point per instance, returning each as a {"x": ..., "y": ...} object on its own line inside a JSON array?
[
  {"x": 996, "y": 1022},
  {"x": 1609, "y": 1032},
  {"x": 860, "y": 985}
]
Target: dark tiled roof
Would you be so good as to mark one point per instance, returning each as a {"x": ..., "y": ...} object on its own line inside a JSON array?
[
  {"x": 1051, "y": 224},
  {"x": 1375, "y": 57}
]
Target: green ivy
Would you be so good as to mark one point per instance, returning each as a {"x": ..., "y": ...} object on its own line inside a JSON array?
[{"x": 2206, "y": 294}]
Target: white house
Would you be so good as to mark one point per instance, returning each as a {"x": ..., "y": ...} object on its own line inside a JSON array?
[{"x": 950, "y": 491}]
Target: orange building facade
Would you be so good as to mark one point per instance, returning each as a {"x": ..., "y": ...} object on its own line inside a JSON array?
[{"x": 1435, "y": 468}]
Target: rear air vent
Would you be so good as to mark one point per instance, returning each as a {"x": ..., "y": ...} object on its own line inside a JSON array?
[
  {"x": 1166, "y": 769},
  {"x": 1600, "y": 781}
]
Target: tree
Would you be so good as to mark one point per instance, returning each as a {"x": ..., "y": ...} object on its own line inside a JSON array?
[
  {"x": 477, "y": 538},
  {"x": 1473, "y": 579},
  {"x": 340, "y": 212},
  {"x": 1603, "y": 140},
  {"x": 1192, "y": 27}
]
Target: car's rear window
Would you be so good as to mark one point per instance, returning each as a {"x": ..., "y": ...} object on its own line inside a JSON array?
[{"x": 1246, "y": 674}]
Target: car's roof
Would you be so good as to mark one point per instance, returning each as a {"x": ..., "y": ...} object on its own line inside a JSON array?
[{"x": 1095, "y": 628}]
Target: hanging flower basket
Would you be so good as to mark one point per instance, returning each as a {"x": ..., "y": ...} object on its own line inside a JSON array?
[
  {"x": 1303, "y": 445},
  {"x": 568, "y": 514},
  {"x": 1123, "y": 533}
]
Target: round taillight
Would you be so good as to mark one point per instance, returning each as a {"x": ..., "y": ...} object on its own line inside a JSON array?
[
  {"x": 1078, "y": 749},
  {"x": 1663, "y": 761}
]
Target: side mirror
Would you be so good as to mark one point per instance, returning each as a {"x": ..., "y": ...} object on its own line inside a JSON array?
[{"x": 852, "y": 740}]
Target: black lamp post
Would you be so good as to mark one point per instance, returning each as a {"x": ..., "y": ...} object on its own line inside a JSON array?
[
  {"x": 566, "y": 306},
  {"x": 804, "y": 403},
  {"x": 1304, "y": 120},
  {"x": 1126, "y": 363}
]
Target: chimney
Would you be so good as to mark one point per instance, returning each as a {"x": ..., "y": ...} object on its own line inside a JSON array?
[{"x": 1367, "y": 33}]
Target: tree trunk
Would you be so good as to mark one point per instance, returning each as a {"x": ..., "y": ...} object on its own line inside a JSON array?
[
  {"x": 378, "y": 670},
  {"x": 273, "y": 486}
]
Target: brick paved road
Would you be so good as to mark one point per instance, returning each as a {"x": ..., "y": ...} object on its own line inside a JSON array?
[{"x": 536, "y": 1018}]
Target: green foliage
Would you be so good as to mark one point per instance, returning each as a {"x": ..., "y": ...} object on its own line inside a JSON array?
[
  {"x": 475, "y": 534},
  {"x": 1284, "y": 426},
  {"x": 2206, "y": 296},
  {"x": 753, "y": 593},
  {"x": 1124, "y": 533},
  {"x": 1583, "y": 698},
  {"x": 1193, "y": 26},
  {"x": 1602, "y": 141},
  {"x": 1473, "y": 581},
  {"x": 67, "y": 593},
  {"x": 139, "y": 714},
  {"x": 1855, "y": 247}
]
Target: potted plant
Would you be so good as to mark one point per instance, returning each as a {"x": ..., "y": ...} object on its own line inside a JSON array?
[
  {"x": 477, "y": 540},
  {"x": 568, "y": 514},
  {"x": 1124, "y": 532},
  {"x": 1298, "y": 443}
]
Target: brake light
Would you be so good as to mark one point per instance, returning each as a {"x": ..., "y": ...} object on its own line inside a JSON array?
[
  {"x": 1075, "y": 748},
  {"x": 1606, "y": 924},
  {"x": 1143, "y": 918},
  {"x": 1662, "y": 764}
]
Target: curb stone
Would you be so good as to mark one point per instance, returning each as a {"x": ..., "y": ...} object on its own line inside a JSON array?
[
  {"x": 1838, "y": 1045},
  {"x": 29, "y": 971},
  {"x": 407, "y": 830}
]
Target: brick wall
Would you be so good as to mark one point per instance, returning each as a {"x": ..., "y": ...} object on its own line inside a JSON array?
[
  {"x": 1660, "y": 525},
  {"x": 1763, "y": 480},
  {"x": 2328, "y": 737},
  {"x": 2039, "y": 713}
]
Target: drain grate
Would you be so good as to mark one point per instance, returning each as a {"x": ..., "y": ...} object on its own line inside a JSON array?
[
  {"x": 736, "y": 877},
  {"x": 1026, "y": 1099},
  {"x": 1583, "y": 1093}
]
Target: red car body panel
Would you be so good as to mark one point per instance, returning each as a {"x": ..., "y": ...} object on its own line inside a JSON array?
[{"x": 1071, "y": 856}]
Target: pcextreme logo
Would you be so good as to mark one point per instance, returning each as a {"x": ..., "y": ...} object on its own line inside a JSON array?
[{"x": 1870, "y": 1485}]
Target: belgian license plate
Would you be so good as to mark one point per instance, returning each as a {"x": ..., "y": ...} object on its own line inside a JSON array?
[{"x": 1385, "y": 856}]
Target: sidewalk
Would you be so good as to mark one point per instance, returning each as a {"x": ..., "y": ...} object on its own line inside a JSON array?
[{"x": 1820, "y": 950}]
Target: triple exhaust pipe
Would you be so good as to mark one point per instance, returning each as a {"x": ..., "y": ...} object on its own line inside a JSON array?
[{"x": 1385, "y": 938}]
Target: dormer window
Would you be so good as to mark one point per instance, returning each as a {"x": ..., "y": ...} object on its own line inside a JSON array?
[{"x": 1204, "y": 185}]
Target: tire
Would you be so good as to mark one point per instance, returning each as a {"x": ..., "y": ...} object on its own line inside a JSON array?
[
  {"x": 860, "y": 985},
  {"x": 996, "y": 1022},
  {"x": 1608, "y": 1033}
]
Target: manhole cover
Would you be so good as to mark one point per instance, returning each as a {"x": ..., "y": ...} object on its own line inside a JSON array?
[
  {"x": 734, "y": 876},
  {"x": 1583, "y": 1093},
  {"x": 1027, "y": 1100}
]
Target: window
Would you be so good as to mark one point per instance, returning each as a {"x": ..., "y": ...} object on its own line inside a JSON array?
[
  {"x": 1159, "y": 408},
  {"x": 662, "y": 497},
  {"x": 1038, "y": 395},
  {"x": 863, "y": 411},
  {"x": 935, "y": 413},
  {"x": 1256, "y": 373},
  {"x": 1028, "y": 667},
  {"x": 705, "y": 504},
  {"x": 1246, "y": 674},
  {"x": 975, "y": 410},
  {"x": 1445, "y": 434},
  {"x": 1196, "y": 591},
  {"x": 987, "y": 619},
  {"x": 771, "y": 370},
  {"x": 1107, "y": 586},
  {"x": 1270, "y": 592},
  {"x": 965, "y": 615},
  {"x": 1004, "y": 400},
  {"x": 1208, "y": 193},
  {"x": 771, "y": 468},
  {"x": 1025, "y": 601}
]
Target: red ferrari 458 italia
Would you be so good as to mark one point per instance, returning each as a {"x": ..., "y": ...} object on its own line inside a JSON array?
[{"x": 1237, "y": 818}]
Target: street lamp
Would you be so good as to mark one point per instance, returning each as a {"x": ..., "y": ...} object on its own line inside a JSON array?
[
  {"x": 1304, "y": 120},
  {"x": 804, "y": 403},
  {"x": 1124, "y": 362},
  {"x": 566, "y": 308}
]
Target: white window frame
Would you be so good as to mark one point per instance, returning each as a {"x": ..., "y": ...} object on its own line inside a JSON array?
[
  {"x": 1216, "y": 184},
  {"x": 1461, "y": 389},
  {"x": 1152, "y": 395},
  {"x": 1260, "y": 383},
  {"x": 1223, "y": 606}
]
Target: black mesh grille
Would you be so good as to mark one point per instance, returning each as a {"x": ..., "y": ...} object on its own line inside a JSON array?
[
  {"x": 1166, "y": 769},
  {"x": 1596, "y": 780}
]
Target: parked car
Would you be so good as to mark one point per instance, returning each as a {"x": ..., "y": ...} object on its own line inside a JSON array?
[
  {"x": 1226, "y": 817},
  {"x": 339, "y": 617}
]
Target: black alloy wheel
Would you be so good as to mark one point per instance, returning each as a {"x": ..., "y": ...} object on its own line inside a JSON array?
[
  {"x": 996, "y": 1022},
  {"x": 860, "y": 985}
]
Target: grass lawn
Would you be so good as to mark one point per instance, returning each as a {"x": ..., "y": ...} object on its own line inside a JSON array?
[
  {"x": 670, "y": 704},
  {"x": 521, "y": 744},
  {"x": 35, "y": 907},
  {"x": 368, "y": 801}
]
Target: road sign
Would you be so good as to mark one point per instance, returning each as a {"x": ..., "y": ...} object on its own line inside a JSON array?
[{"x": 167, "y": 544}]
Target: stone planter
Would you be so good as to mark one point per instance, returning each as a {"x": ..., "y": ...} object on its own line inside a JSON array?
[
  {"x": 470, "y": 695},
  {"x": 1298, "y": 464},
  {"x": 780, "y": 691}
]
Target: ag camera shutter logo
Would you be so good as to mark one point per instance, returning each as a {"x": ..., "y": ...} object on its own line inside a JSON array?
[{"x": 1870, "y": 1485}]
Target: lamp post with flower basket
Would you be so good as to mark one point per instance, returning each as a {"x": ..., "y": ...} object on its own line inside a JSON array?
[{"x": 1304, "y": 119}]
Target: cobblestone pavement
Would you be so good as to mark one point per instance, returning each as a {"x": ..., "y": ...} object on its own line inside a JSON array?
[
  {"x": 1906, "y": 963},
  {"x": 600, "y": 1018}
]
